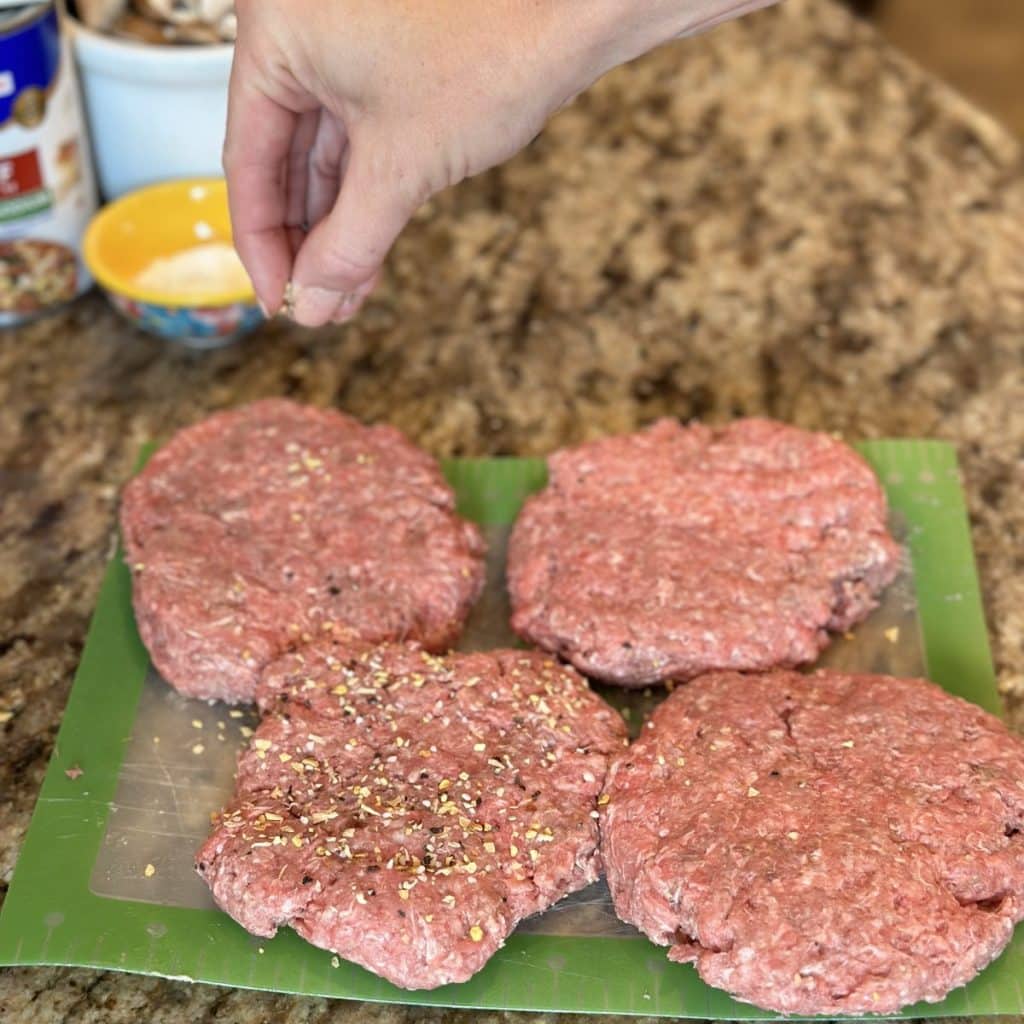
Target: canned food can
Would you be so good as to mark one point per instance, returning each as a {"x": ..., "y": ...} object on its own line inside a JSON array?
[{"x": 47, "y": 188}]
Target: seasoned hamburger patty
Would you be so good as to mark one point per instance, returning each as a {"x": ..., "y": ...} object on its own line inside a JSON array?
[
  {"x": 262, "y": 527},
  {"x": 677, "y": 550},
  {"x": 406, "y": 810},
  {"x": 820, "y": 844}
]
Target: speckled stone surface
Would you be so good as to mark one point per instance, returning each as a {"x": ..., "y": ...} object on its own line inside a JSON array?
[{"x": 782, "y": 218}]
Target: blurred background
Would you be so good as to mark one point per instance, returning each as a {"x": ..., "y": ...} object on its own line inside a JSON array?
[
  {"x": 975, "y": 45},
  {"x": 154, "y": 75}
]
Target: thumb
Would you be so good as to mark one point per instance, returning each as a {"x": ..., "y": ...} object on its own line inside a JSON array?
[{"x": 339, "y": 262}]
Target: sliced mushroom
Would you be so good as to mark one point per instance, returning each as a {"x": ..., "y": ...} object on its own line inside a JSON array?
[
  {"x": 134, "y": 26},
  {"x": 186, "y": 12},
  {"x": 163, "y": 21},
  {"x": 100, "y": 14}
]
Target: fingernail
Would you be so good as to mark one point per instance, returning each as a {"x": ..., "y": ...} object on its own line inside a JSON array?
[
  {"x": 347, "y": 308},
  {"x": 315, "y": 305}
]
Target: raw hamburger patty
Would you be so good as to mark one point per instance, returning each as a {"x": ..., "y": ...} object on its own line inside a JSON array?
[
  {"x": 676, "y": 550},
  {"x": 405, "y": 810},
  {"x": 262, "y": 527},
  {"x": 820, "y": 844}
]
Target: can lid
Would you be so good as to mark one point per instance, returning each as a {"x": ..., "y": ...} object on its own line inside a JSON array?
[{"x": 14, "y": 11}]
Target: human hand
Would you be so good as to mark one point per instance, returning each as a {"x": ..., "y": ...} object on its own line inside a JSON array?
[{"x": 346, "y": 115}]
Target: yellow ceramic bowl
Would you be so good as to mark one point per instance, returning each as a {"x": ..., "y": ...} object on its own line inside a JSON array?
[{"x": 158, "y": 221}]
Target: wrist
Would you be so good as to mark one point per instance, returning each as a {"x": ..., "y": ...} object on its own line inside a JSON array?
[{"x": 617, "y": 31}]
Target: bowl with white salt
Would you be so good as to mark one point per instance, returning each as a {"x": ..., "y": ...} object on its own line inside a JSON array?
[{"x": 165, "y": 258}]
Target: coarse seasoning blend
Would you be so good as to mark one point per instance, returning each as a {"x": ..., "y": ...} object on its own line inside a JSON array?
[{"x": 47, "y": 190}]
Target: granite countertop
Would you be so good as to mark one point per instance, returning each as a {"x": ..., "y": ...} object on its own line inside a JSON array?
[{"x": 783, "y": 218}]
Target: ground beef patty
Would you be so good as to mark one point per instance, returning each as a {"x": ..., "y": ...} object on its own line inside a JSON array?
[
  {"x": 820, "y": 844},
  {"x": 676, "y": 550},
  {"x": 405, "y": 810},
  {"x": 262, "y": 527}
]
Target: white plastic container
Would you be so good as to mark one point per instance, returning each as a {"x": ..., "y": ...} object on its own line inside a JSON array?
[{"x": 155, "y": 112}]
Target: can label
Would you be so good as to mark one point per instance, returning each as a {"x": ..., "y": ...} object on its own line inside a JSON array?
[{"x": 47, "y": 190}]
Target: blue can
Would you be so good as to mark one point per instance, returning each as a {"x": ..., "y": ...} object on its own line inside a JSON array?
[{"x": 47, "y": 188}]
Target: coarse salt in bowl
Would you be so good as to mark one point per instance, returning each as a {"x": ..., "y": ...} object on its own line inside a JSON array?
[{"x": 164, "y": 257}]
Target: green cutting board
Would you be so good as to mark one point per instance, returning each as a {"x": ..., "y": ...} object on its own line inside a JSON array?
[{"x": 54, "y": 912}]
